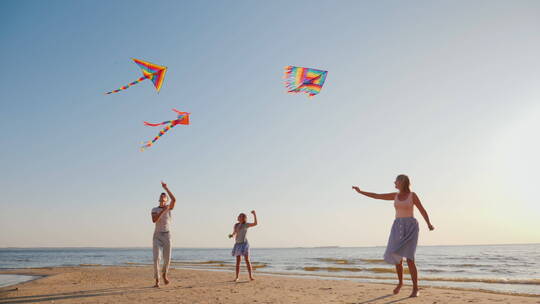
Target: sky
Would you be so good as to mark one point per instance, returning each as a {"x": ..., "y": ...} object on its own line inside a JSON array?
[{"x": 444, "y": 91}]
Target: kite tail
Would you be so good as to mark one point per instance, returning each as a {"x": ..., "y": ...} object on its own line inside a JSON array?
[
  {"x": 128, "y": 85},
  {"x": 163, "y": 131},
  {"x": 180, "y": 112},
  {"x": 291, "y": 82},
  {"x": 156, "y": 124},
  {"x": 292, "y": 85}
]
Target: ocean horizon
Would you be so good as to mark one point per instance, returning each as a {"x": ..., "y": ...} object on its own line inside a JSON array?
[{"x": 277, "y": 247}]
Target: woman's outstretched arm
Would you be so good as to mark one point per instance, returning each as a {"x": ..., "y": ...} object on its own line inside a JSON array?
[
  {"x": 382, "y": 196},
  {"x": 423, "y": 211}
]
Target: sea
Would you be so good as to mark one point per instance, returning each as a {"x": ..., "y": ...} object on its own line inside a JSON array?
[{"x": 510, "y": 269}]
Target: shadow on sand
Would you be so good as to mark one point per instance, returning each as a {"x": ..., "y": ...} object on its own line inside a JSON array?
[
  {"x": 95, "y": 293},
  {"x": 73, "y": 295},
  {"x": 382, "y": 298}
]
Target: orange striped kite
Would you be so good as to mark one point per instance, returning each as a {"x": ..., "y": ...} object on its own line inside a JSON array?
[{"x": 181, "y": 119}]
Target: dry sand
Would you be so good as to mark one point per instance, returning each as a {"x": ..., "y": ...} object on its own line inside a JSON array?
[{"x": 98, "y": 284}]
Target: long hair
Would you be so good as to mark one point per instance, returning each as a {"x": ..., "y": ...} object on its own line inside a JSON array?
[{"x": 405, "y": 182}]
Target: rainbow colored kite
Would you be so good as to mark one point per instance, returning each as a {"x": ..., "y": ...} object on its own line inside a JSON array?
[
  {"x": 299, "y": 79},
  {"x": 181, "y": 119},
  {"x": 151, "y": 71}
]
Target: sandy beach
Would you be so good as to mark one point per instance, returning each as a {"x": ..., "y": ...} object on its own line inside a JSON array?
[{"x": 97, "y": 284}]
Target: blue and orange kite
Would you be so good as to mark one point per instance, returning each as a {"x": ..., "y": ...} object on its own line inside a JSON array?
[
  {"x": 307, "y": 80},
  {"x": 181, "y": 119},
  {"x": 151, "y": 71}
]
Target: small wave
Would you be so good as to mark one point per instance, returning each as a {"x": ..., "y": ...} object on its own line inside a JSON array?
[
  {"x": 350, "y": 262},
  {"x": 461, "y": 258},
  {"x": 386, "y": 270},
  {"x": 331, "y": 269},
  {"x": 354, "y": 269},
  {"x": 202, "y": 263},
  {"x": 486, "y": 280},
  {"x": 373, "y": 261},
  {"x": 87, "y": 265},
  {"x": 486, "y": 267},
  {"x": 466, "y": 265},
  {"x": 214, "y": 264},
  {"x": 335, "y": 261},
  {"x": 351, "y": 269}
]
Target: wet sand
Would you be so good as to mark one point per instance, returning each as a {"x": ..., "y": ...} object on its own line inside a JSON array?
[{"x": 97, "y": 284}]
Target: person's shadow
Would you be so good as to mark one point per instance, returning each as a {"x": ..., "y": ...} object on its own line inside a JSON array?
[
  {"x": 381, "y": 298},
  {"x": 74, "y": 295},
  {"x": 94, "y": 293}
]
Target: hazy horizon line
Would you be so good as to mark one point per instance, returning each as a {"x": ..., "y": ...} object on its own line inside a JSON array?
[{"x": 290, "y": 247}]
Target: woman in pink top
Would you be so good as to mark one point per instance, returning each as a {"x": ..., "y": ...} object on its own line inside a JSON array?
[{"x": 404, "y": 234}]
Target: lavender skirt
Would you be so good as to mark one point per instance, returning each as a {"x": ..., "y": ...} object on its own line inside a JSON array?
[
  {"x": 402, "y": 241},
  {"x": 240, "y": 249}
]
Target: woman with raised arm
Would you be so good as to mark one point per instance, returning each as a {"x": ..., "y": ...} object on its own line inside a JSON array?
[
  {"x": 161, "y": 216},
  {"x": 404, "y": 234}
]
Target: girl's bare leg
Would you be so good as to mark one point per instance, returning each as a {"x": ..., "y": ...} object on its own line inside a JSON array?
[
  {"x": 414, "y": 277},
  {"x": 399, "y": 271},
  {"x": 238, "y": 259},
  {"x": 248, "y": 264}
]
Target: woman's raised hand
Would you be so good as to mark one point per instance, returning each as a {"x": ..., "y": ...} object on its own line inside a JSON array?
[{"x": 356, "y": 189}]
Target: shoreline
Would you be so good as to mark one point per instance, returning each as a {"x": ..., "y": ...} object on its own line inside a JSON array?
[
  {"x": 116, "y": 283},
  {"x": 314, "y": 275}
]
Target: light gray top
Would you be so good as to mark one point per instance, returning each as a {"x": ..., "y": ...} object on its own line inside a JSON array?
[
  {"x": 241, "y": 231},
  {"x": 164, "y": 222}
]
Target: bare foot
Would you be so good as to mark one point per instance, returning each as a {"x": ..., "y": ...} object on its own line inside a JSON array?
[
  {"x": 398, "y": 288},
  {"x": 415, "y": 293},
  {"x": 235, "y": 280},
  {"x": 165, "y": 279},
  {"x": 157, "y": 284},
  {"x": 252, "y": 278}
]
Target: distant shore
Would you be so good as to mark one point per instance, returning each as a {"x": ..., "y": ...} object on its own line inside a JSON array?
[{"x": 133, "y": 284}]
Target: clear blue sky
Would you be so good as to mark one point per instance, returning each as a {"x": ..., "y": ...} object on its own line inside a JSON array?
[{"x": 444, "y": 91}]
